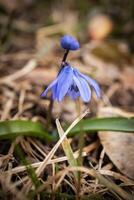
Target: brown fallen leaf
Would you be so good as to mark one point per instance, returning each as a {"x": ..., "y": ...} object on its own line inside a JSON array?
[{"x": 118, "y": 146}]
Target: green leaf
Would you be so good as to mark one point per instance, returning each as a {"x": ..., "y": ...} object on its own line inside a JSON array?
[
  {"x": 30, "y": 171},
  {"x": 12, "y": 129},
  {"x": 105, "y": 124},
  {"x": 67, "y": 149}
]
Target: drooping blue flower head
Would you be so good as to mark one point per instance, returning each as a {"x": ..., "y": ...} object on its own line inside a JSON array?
[
  {"x": 74, "y": 84},
  {"x": 69, "y": 43}
]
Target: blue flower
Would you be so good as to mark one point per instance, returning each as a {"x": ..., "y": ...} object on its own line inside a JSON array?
[
  {"x": 72, "y": 83},
  {"x": 69, "y": 43}
]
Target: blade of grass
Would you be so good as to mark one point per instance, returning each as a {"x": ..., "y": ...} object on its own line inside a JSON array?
[
  {"x": 54, "y": 149},
  {"x": 67, "y": 148},
  {"x": 12, "y": 129},
  {"x": 29, "y": 169},
  {"x": 105, "y": 124},
  {"x": 30, "y": 172}
]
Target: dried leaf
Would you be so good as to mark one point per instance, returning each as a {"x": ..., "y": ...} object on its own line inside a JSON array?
[{"x": 119, "y": 147}]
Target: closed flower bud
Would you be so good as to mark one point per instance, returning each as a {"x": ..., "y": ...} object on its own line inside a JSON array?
[{"x": 69, "y": 43}]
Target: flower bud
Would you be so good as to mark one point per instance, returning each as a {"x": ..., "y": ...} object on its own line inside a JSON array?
[{"x": 69, "y": 43}]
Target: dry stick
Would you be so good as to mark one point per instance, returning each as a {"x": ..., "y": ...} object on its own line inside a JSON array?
[
  {"x": 30, "y": 65},
  {"x": 53, "y": 161},
  {"x": 10, "y": 187},
  {"x": 33, "y": 142},
  {"x": 19, "y": 169},
  {"x": 99, "y": 166},
  {"x": 35, "y": 165},
  {"x": 51, "y": 153},
  {"x": 20, "y": 104},
  {"x": 25, "y": 70},
  {"x": 67, "y": 149},
  {"x": 60, "y": 176},
  {"x": 116, "y": 176},
  {"x": 101, "y": 159},
  {"x": 41, "y": 168},
  {"x": 114, "y": 187},
  {"x": 116, "y": 111},
  {"x": 86, "y": 150},
  {"x": 70, "y": 185},
  {"x": 111, "y": 186},
  {"x": 6, "y": 111}
]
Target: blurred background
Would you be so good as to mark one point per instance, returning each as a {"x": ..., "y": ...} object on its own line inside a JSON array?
[
  {"x": 89, "y": 19},
  {"x": 30, "y": 32}
]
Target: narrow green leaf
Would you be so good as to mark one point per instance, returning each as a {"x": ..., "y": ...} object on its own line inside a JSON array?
[
  {"x": 67, "y": 148},
  {"x": 30, "y": 171},
  {"x": 105, "y": 124},
  {"x": 12, "y": 129}
]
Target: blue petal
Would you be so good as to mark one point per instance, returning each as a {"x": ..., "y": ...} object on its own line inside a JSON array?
[
  {"x": 54, "y": 92},
  {"x": 69, "y": 43},
  {"x": 83, "y": 87},
  {"x": 72, "y": 93},
  {"x": 93, "y": 83},
  {"x": 64, "y": 82},
  {"x": 54, "y": 88},
  {"x": 49, "y": 87}
]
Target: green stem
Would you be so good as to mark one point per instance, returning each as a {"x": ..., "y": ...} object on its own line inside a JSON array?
[
  {"x": 80, "y": 147},
  {"x": 49, "y": 114}
]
